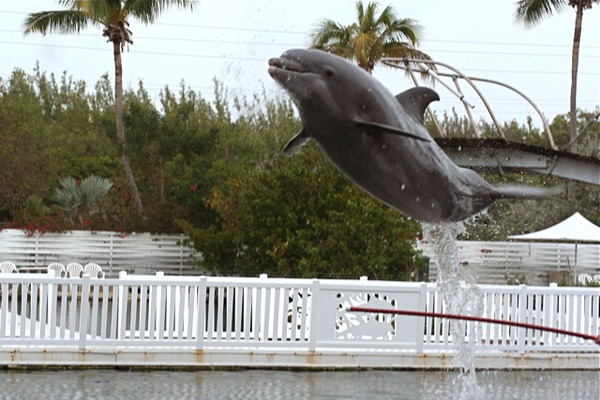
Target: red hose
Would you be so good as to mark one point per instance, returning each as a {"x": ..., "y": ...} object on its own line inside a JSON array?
[{"x": 596, "y": 339}]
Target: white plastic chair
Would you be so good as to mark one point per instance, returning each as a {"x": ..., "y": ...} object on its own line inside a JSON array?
[
  {"x": 8, "y": 267},
  {"x": 584, "y": 279},
  {"x": 58, "y": 268},
  {"x": 597, "y": 278},
  {"x": 93, "y": 270},
  {"x": 74, "y": 270}
]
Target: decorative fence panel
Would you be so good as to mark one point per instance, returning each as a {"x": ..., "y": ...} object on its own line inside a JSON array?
[
  {"x": 500, "y": 262},
  {"x": 136, "y": 252},
  {"x": 199, "y": 312}
]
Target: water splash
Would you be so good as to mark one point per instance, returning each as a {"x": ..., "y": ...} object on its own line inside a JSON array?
[{"x": 461, "y": 296}]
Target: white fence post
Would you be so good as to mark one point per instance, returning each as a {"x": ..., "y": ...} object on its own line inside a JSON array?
[
  {"x": 49, "y": 313},
  {"x": 85, "y": 306},
  {"x": 201, "y": 312},
  {"x": 4, "y": 309},
  {"x": 522, "y": 317},
  {"x": 552, "y": 319},
  {"x": 121, "y": 305},
  {"x": 314, "y": 315},
  {"x": 420, "y": 337}
]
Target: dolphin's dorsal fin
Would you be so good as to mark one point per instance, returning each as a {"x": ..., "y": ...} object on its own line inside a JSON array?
[
  {"x": 295, "y": 143},
  {"x": 416, "y": 100},
  {"x": 379, "y": 128}
]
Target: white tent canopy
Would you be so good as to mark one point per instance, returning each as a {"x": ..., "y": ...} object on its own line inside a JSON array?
[{"x": 576, "y": 228}]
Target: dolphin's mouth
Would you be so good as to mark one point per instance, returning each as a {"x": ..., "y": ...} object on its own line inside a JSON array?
[{"x": 278, "y": 65}]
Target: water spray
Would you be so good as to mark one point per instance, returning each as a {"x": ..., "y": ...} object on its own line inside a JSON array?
[{"x": 585, "y": 336}]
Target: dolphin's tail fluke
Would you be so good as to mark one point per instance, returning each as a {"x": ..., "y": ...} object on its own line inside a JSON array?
[{"x": 527, "y": 192}]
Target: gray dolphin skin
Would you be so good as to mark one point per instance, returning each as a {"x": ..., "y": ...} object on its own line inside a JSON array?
[{"x": 378, "y": 140}]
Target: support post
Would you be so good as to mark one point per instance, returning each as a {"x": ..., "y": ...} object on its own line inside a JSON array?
[
  {"x": 201, "y": 312},
  {"x": 314, "y": 315},
  {"x": 522, "y": 317},
  {"x": 84, "y": 311}
]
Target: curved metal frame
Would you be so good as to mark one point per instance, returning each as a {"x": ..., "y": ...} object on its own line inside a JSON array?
[{"x": 404, "y": 63}]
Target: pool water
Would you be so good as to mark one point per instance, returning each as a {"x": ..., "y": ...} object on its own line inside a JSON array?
[{"x": 280, "y": 384}]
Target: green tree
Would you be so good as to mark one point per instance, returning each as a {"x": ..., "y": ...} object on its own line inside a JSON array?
[
  {"x": 113, "y": 16},
  {"x": 373, "y": 37},
  {"x": 25, "y": 137},
  {"x": 300, "y": 217},
  {"x": 531, "y": 12}
]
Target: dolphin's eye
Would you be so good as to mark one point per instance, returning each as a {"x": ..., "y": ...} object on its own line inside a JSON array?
[{"x": 329, "y": 72}]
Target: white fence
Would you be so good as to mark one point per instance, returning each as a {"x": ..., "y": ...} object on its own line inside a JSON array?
[
  {"x": 258, "y": 313},
  {"x": 500, "y": 262},
  {"x": 489, "y": 262},
  {"x": 141, "y": 253}
]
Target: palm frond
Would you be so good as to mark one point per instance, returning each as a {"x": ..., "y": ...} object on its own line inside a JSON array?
[
  {"x": 387, "y": 17},
  {"x": 93, "y": 189},
  {"x": 63, "y": 22},
  {"x": 67, "y": 196},
  {"x": 374, "y": 35},
  {"x": 366, "y": 17},
  {"x": 147, "y": 11},
  {"x": 332, "y": 37},
  {"x": 405, "y": 29},
  {"x": 532, "y": 12},
  {"x": 72, "y": 195}
]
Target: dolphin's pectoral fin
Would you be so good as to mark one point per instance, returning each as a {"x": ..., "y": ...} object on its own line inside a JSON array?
[
  {"x": 383, "y": 128},
  {"x": 295, "y": 144},
  {"x": 416, "y": 100}
]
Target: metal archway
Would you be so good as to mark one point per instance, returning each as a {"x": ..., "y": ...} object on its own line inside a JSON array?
[{"x": 422, "y": 66}]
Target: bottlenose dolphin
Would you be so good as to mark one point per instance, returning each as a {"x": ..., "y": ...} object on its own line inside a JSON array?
[{"x": 378, "y": 140}]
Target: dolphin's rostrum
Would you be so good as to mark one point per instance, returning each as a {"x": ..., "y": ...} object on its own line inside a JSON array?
[{"x": 379, "y": 141}]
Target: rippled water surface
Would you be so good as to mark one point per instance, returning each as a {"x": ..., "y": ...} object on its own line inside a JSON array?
[{"x": 275, "y": 384}]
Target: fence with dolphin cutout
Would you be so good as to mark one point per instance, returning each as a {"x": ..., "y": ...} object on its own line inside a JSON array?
[{"x": 200, "y": 313}]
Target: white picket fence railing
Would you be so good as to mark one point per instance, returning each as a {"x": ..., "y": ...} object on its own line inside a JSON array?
[
  {"x": 140, "y": 253},
  {"x": 499, "y": 262},
  {"x": 202, "y": 312}
]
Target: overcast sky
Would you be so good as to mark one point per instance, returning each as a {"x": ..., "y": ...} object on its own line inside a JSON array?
[{"x": 232, "y": 41}]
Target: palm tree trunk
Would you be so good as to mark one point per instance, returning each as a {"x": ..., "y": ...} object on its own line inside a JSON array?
[
  {"x": 135, "y": 195},
  {"x": 574, "y": 70}
]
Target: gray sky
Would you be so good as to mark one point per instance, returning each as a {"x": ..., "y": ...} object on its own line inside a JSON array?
[{"x": 232, "y": 41}]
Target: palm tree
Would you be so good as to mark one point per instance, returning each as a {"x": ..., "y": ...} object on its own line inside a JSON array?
[
  {"x": 531, "y": 12},
  {"x": 373, "y": 37},
  {"x": 81, "y": 198},
  {"x": 113, "y": 16}
]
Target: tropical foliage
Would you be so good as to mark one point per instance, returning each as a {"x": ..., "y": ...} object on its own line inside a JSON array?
[
  {"x": 373, "y": 36},
  {"x": 225, "y": 182},
  {"x": 113, "y": 17},
  {"x": 81, "y": 198},
  {"x": 532, "y": 12}
]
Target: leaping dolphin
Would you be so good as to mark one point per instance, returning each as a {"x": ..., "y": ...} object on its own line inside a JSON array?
[{"x": 378, "y": 140}]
